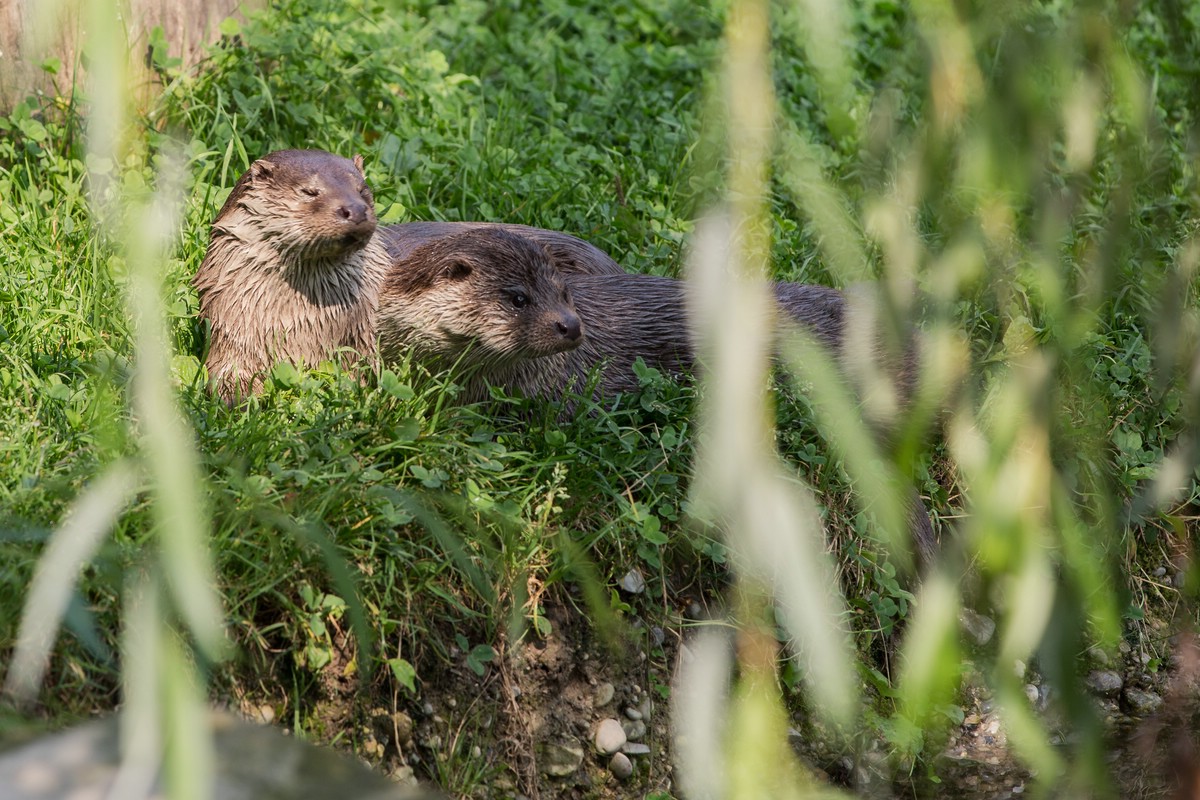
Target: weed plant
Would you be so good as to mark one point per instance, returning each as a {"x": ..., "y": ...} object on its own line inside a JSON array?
[{"x": 1063, "y": 253}]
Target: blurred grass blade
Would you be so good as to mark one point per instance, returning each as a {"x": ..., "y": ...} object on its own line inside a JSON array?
[
  {"x": 71, "y": 546},
  {"x": 838, "y": 235},
  {"x": 930, "y": 668},
  {"x": 699, "y": 707},
  {"x": 141, "y": 673},
  {"x": 180, "y": 514}
]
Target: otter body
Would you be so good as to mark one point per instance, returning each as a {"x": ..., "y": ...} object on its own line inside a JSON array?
[{"x": 292, "y": 271}]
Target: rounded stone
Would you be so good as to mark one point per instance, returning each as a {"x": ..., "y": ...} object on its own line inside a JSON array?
[
  {"x": 1141, "y": 703},
  {"x": 560, "y": 760},
  {"x": 620, "y": 766},
  {"x": 604, "y": 694},
  {"x": 1104, "y": 682},
  {"x": 609, "y": 737}
]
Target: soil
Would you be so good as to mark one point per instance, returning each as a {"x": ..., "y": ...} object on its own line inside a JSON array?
[{"x": 536, "y": 707}]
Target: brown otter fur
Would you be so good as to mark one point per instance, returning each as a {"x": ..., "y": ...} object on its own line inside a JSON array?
[
  {"x": 571, "y": 255},
  {"x": 484, "y": 299},
  {"x": 292, "y": 270}
]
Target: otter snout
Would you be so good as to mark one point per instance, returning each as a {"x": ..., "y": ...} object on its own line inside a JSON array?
[
  {"x": 569, "y": 327},
  {"x": 354, "y": 211}
]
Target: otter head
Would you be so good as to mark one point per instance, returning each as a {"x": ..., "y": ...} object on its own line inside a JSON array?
[
  {"x": 491, "y": 294},
  {"x": 307, "y": 204}
]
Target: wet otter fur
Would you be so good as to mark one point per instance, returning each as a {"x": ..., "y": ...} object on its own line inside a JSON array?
[
  {"x": 292, "y": 269},
  {"x": 484, "y": 300}
]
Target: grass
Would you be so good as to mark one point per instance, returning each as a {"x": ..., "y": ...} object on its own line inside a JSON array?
[{"x": 1070, "y": 280}]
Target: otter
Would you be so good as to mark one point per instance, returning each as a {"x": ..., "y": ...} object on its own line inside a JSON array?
[
  {"x": 623, "y": 317},
  {"x": 292, "y": 270},
  {"x": 484, "y": 300}
]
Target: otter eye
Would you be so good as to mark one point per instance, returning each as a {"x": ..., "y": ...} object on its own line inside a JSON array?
[
  {"x": 519, "y": 300},
  {"x": 311, "y": 191}
]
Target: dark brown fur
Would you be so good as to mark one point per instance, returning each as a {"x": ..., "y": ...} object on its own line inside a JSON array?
[
  {"x": 484, "y": 299},
  {"x": 292, "y": 270},
  {"x": 571, "y": 255}
]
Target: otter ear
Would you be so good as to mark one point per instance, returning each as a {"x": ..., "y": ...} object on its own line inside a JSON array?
[
  {"x": 458, "y": 270},
  {"x": 358, "y": 161},
  {"x": 262, "y": 169}
]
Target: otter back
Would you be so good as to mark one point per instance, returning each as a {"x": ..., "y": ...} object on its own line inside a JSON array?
[{"x": 292, "y": 271}]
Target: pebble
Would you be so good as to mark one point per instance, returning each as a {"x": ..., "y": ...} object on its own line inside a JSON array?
[
  {"x": 634, "y": 729},
  {"x": 609, "y": 737},
  {"x": 427, "y": 709},
  {"x": 657, "y": 636},
  {"x": 1142, "y": 703},
  {"x": 977, "y": 626},
  {"x": 1098, "y": 655},
  {"x": 635, "y": 749},
  {"x": 633, "y": 713},
  {"x": 620, "y": 766},
  {"x": 633, "y": 582},
  {"x": 604, "y": 694},
  {"x": 1158, "y": 573},
  {"x": 1104, "y": 682},
  {"x": 645, "y": 707},
  {"x": 1031, "y": 692},
  {"x": 560, "y": 760}
]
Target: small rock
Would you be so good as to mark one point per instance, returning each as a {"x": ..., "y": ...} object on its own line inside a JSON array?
[
  {"x": 560, "y": 760},
  {"x": 633, "y": 582},
  {"x": 633, "y": 713},
  {"x": 620, "y": 766},
  {"x": 263, "y": 714},
  {"x": 427, "y": 709},
  {"x": 452, "y": 701},
  {"x": 604, "y": 695},
  {"x": 646, "y": 707},
  {"x": 1031, "y": 692},
  {"x": 634, "y": 729},
  {"x": 1141, "y": 703},
  {"x": 404, "y": 776},
  {"x": 635, "y": 749},
  {"x": 1158, "y": 573},
  {"x": 1104, "y": 682},
  {"x": 972, "y": 720},
  {"x": 657, "y": 636},
  {"x": 978, "y": 627},
  {"x": 1019, "y": 669},
  {"x": 476, "y": 752},
  {"x": 694, "y": 610},
  {"x": 609, "y": 737},
  {"x": 1098, "y": 656},
  {"x": 1019, "y": 789}
]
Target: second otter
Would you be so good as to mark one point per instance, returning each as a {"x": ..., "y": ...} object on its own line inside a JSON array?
[{"x": 485, "y": 300}]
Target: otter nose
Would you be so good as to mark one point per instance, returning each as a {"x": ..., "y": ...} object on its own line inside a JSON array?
[
  {"x": 354, "y": 211},
  {"x": 569, "y": 327}
]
